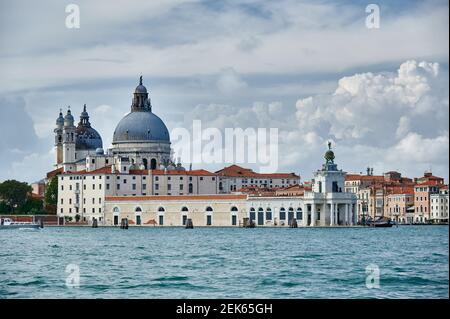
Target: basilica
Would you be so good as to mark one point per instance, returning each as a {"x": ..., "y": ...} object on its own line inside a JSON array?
[
  {"x": 141, "y": 140},
  {"x": 136, "y": 179}
]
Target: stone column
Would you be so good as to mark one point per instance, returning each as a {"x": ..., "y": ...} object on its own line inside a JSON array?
[
  {"x": 332, "y": 214},
  {"x": 346, "y": 214},
  {"x": 313, "y": 215},
  {"x": 305, "y": 214}
]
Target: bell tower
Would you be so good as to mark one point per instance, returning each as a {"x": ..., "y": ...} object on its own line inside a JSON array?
[
  {"x": 59, "y": 139},
  {"x": 69, "y": 139}
]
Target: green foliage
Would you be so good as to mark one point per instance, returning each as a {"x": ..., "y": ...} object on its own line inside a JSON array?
[
  {"x": 77, "y": 218},
  {"x": 51, "y": 192},
  {"x": 33, "y": 206},
  {"x": 14, "y": 193},
  {"x": 4, "y": 208}
]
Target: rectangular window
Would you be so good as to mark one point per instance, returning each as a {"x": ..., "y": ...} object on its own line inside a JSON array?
[
  {"x": 208, "y": 220},
  {"x": 181, "y": 187},
  {"x": 144, "y": 186},
  {"x": 233, "y": 220},
  {"x": 169, "y": 187},
  {"x": 107, "y": 186},
  {"x": 70, "y": 201},
  {"x": 62, "y": 201},
  {"x": 84, "y": 186},
  {"x": 99, "y": 186},
  {"x": 156, "y": 178},
  {"x": 157, "y": 186},
  {"x": 161, "y": 220},
  {"x": 118, "y": 186},
  {"x": 93, "y": 201},
  {"x": 124, "y": 180},
  {"x": 134, "y": 186}
]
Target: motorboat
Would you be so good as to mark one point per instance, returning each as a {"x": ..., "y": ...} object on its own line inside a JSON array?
[{"x": 8, "y": 223}]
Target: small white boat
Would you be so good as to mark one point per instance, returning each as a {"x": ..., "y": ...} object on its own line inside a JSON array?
[{"x": 8, "y": 223}]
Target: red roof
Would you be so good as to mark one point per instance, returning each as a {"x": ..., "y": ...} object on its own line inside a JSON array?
[
  {"x": 54, "y": 172},
  {"x": 198, "y": 172},
  {"x": 237, "y": 171},
  {"x": 358, "y": 177},
  {"x": 180, "y": 197},
  {"x": 430, "y": 183}
]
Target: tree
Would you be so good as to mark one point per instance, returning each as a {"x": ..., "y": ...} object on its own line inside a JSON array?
[
  {"x": 51, "y": 195},
  {"x": 14, "y": 193},
  {"x": 77, "y": 218},
  {"x": 32, "y": 206}
]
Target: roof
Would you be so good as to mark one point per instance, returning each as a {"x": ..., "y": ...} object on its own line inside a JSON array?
[
  {"x": 358, "y": 177},
  {"x": 198, "y": 172},
  {"x": 402, "y": 191},
  {"x": 174, "y": 198},
  {"x": 429, "y": 183},
  {"x": 238, "y": 171},
  {"x": 107, "y": 170},
  {"x": 55, "y": 172}
]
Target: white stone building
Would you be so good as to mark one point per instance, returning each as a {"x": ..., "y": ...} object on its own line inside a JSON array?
[{"x": 439, "y": 206}]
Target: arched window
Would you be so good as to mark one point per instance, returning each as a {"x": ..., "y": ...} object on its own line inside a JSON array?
[
  {"x": 220, "y": 186},
  {"x": 299, "y": 213},
  {"x": 290, "y": 214},
  {"x": 260, "y": 216},
  {"x": 282, "y": 213},
  {"x": 209, "y": 209},
  {"x": 252, "y": 214},
  {"x": 268, "y": 213},
  {"x": 138, "y": 210},
  {"x": 145, "y": 162},
  {"x": 184, "y": 209},
  {"x": 153, "y": 163},
  {"x": 161, "y": 209},
  {"x": 116, "y": 210},
  {"x": 234, "y": 209}
]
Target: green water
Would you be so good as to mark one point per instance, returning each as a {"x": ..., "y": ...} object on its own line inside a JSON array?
[{"x": 224, "y": 262}]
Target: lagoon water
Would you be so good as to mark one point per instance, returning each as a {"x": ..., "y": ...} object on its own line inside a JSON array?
[{"x": 224, "y": 262}]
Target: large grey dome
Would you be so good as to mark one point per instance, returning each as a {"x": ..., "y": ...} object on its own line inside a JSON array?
[{"x": 141, "y": 126}]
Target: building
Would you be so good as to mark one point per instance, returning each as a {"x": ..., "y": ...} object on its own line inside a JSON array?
[
  {"x": 439, "y": 206},
  {"x": 424, "y": 188},
  {"x": 234, "y": 177},
  {"x": 399, "y": 204},
  {"x": 138, "y": 164},
  {"x": 204, "y": 210},
  {"x": 325, "y": 204}
]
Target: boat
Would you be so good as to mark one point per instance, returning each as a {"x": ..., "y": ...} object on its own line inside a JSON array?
[
  {"x": 8, "y": 223},
  {"x": 380, "y": 222}
]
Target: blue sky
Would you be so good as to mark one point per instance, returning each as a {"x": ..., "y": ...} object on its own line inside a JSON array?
[{"x": 287, "y": 64}]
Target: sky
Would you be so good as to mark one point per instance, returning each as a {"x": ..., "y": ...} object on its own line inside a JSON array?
[{"x": 312, "y": 69}]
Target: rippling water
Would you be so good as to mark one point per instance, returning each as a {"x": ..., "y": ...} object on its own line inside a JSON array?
[{"x": 225, "y": 262}]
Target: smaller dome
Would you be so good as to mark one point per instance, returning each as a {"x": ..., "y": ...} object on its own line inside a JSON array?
[
  {"x": 68, "y": 119},
  {"x": 140, "y": 88},
  {"x": 60, "y": 119},
  {"x": 99, "y": 151},
  {"x": 329, "y": 156}
]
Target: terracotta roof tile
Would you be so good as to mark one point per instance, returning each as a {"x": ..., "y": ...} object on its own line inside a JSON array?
[{"x": 237, "y": 171}]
